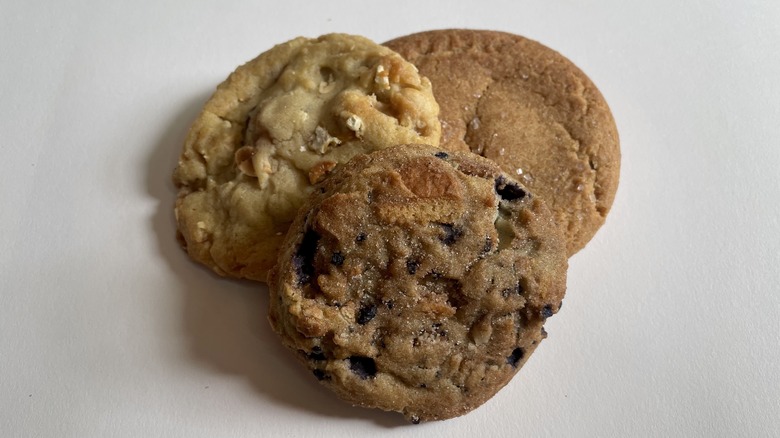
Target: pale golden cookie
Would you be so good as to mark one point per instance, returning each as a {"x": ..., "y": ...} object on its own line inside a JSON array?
[
  {"x": 417, "y": 280},
  {"x": 279, "y": 124},
  {"x": 530, "y": 110}
]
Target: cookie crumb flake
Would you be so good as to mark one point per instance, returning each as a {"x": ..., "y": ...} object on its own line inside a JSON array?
[
  {"x": 243, "y": 160},
  {"x": 382, "y": 77},
  {"x": 481, "y": 331},
  {"x": 355, "y": 124},
  {"x": 322, "y": 140}
]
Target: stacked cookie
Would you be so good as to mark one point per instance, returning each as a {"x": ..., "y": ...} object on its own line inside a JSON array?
[{"x": 412, "y": 252}]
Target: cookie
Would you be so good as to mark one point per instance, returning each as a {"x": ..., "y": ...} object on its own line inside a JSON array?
[
  {"x": 279, "y": 124},
  {"x": 530, "y": 110},
  {"x": 418, "y": 280}
]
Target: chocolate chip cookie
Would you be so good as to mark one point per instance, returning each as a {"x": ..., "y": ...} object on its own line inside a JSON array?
[
  {"x": 418, "y": 280},
  {"x": 530, "y": 110},
  {"x": 279, "y": 124}
]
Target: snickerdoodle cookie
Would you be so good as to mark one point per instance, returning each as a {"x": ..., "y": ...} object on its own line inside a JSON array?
[{"x": 529, "y": 109}]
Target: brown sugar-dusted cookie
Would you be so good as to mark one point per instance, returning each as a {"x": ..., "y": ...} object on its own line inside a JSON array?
[
  {"x": 530, "y": 110},
  {"x": 418, "y": 280},
  {"x": 279, "y": 124}
]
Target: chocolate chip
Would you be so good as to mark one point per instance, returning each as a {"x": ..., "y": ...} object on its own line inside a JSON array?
[
  {"x": 451, "y": 234},
  {"x": 411, "y": 266},
  {"x": 442, "y": 155},
  {"x": 316, "y": 356},
  {"x": 303, "y": 260},
  {"x": 547, "y": 311},
  {"x": 366, "y": 314},
  {"x": 360, "y": 237},
  {"x": 518, "y": 289},
  {"x": 508, "y": 190},
  {"x": 389, "y": 304},
  {"x": 320, "y": 375},
  {"x": 437, "y": 330},
  {"x": 435, "y": 275},
  {"x": 300, "y": 273},
  {"x": 364, "y": 367},
  {"x": 337, "y": 259},
  {"x": 488, "y": 245},
  {"x": 515, "y": 357}
]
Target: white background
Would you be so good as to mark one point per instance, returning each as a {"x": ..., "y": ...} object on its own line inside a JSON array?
[{"x": 671, "y": 323}]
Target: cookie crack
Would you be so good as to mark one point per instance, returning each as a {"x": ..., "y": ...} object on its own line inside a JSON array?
[
  {"x": 221, "y": 117},
  {"x": 470, "y": 126},
  {"x": 583, "y": 155}
]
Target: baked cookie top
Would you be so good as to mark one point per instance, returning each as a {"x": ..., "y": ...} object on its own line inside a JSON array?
[
  {"x": 530, "y": 110},
  {"x": 279, "y": 124},
  {"x": 417, "y": 280}
]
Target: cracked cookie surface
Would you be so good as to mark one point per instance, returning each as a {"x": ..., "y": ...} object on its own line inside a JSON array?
[
  {"x": 418, "y": 280},
  {"x": 279, "y": 124},
  {"x": 530, "y": 110}
]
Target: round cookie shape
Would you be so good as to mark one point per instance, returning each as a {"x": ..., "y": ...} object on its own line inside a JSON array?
[
  {"x": 279, "y": 124},
  {"x": 418, "y": 280},
  {"x": 529, "y": 109}
]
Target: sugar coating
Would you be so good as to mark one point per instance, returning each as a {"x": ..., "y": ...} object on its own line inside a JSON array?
[{"x": 529, "y": 109}]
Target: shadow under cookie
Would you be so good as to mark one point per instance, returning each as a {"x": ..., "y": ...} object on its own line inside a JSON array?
[{"x": 225, "y": 320}]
